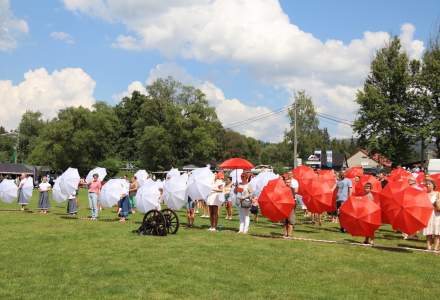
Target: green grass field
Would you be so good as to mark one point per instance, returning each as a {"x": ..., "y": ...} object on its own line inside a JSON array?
[{"x": 56, "y": 257}]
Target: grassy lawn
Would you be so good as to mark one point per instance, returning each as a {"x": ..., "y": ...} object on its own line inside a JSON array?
[{"x": 54, "y": 257}]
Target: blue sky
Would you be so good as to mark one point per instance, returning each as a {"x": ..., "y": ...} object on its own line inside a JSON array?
[{"x": 250, "y": 57}]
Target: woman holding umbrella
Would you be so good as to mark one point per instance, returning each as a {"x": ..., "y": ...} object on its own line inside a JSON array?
[
  {"x": 432, "y": 231},
  {"x": 21, "y": 197},
  {"x": 44, "y": 187},
  {"x": 244, "y": 203},
  {"x": 94, "y": 190},
  {"x": 215, "y": 200}
]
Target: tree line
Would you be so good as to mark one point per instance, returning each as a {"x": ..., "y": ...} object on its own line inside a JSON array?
[{"x": 171, "y": 125}]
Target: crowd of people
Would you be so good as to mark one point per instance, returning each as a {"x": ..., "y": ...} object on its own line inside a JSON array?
[{"x": 238, "y": 193}]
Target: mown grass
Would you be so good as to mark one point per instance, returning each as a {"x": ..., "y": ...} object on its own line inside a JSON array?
[{"x": 56, "y": 257}]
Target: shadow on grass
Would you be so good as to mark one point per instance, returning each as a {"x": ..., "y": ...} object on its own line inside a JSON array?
[
  {"x": 17, "y": 210},
  {"x": 411, "y": 246},
  {"x": 391, "y": 249}
]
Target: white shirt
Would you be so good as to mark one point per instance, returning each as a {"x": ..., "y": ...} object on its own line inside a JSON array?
[
  {"x": 44, "y": 186},
  {"x": 294, "y": 184}
]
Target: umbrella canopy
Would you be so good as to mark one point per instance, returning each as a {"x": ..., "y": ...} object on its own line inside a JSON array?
[
  {"x": 200, "y": 183},
  {"x": 175, "y": 191},
  {"x": 57, "y": 195},
  {"x": 327, "y": 175},
  {"x": 112, "y": 191},
  {"x": 376, "y": 186},
  {"x": 236, "y": 163},
  {"x": 399, "y": 174},
  {"x": 28, "y": 188},
  {"x": 436, "y": 178},
  {"x": 148, "y": 197},
  {"x": 360, "y": 216},
  {"x": 419, "y": 176},
  {"x": 173, "y": 173},
  {"x": 354, "y": 171},
  {"x": 304, "y": 175},
  {"x": 388, "y": 196},
  {"x": 69, "y": 181},
  {"x": 258, "y": 183},
  {"x": 320, "y": 196},
  {"x": 236, "y": 175},
  {"x": 141, "y": 177},
  {"x": 8, "y": 190},
  {"x": 410, "y": 211},
  {"x": 102, "y": 172},
  {"x": 276, "y": 200}
]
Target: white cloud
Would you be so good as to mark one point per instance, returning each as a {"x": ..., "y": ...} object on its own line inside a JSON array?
[
  {"x": 256, "y": 34},
  {"x": 62, "y": 36},
  {"x": 11, "y": 28},
  {"x": 44, "y": 92}
]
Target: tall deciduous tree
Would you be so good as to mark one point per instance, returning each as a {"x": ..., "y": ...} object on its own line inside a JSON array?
[
  {"x": 29, "y": 129},
  {"x": 430, "y": 82},
  {"x": 79, "y": 138},
  {"x": 382, "y": 119},
  {"x": 310, "y": 137}
]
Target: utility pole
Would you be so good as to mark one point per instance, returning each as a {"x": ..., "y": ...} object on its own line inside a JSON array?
[{"x": 295, "y": 139}]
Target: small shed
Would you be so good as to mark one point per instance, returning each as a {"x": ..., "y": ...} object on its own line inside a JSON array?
[{"x": 367, "y": 161}]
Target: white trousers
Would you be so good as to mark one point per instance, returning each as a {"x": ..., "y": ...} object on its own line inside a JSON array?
[{"x": 244, "y": 219}]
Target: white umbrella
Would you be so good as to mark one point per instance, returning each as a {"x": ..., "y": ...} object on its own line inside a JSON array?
[
  {"x": 28, "y": 188},
  {"x": 57, "y": 195},
  {"x": 112, "y": 192},
  {"x": 8, "y": 190},
  {"x": 102, "y": 172},
  {"x": 173, "y": 173},
  {"x": 141, "y": 177},
  {"x": 200, "y": 183},
  {"x": 260, "y": 181},
  {"x": 69, "y": 181},
  {"x": 236, "y": 175},
  {"x": 147, "y": 197},
  {"x": 175, "y": 191}
]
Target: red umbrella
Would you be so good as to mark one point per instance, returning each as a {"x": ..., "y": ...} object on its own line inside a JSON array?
[
  {"x": 354, "y": 171},
  {"x": 388, "y": 196},
  {"x": 436, "y": 178},
  {"x": 276, "y": 200},
  {"x": 376, "y": 187},
  {"x": 320, "y": 196},
  {"x": 237, "y": 163},
  {"x": 399, "y": 174},
  {"x": 327, "y": 175},
  {"x": 360, "y": 216},
  {"x": 410, "y": 211},
  {"x": 420, "y": 177},
  {"x": 303, "y": 174}
]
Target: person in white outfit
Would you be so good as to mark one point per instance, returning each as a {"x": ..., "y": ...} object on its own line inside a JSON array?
[
  {"x": 432, "y": 231},
  {"x": 244, "y": 202},
  {"x": 215, "y": 200}
]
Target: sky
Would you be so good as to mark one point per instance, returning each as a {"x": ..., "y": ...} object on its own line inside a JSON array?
[{"x": 247, "y": 56}]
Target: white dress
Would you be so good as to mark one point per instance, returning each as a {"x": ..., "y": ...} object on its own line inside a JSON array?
[
  {"x": 433, "y": 227},
  {"x": 216, "y": 198}
]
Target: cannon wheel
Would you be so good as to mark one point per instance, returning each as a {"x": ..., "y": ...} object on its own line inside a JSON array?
[
  {"x": 154, "y": 223},
  {"x": 172, "y": 220}
]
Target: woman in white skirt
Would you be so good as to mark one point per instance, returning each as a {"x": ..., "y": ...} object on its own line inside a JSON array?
[
  {"x": 432, "y": 231},
  {"x": 215, "y": 199},
  {"x": 44, "y": 187},
  {"x": 244, "y": 202}
]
